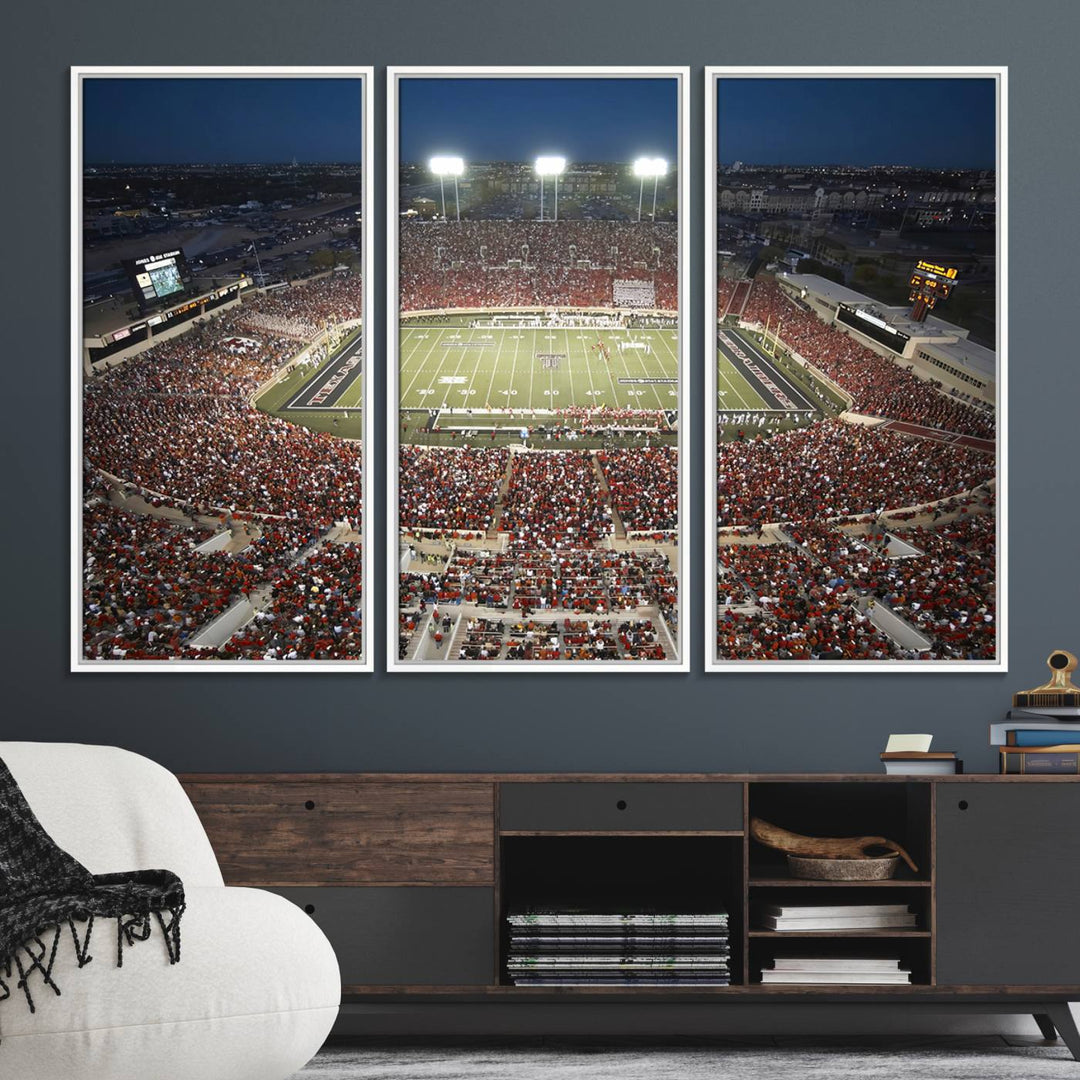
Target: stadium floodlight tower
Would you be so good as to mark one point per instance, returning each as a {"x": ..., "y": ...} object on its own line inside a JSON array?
[
  {"x": 550, "y": 166},
  {"x": 645, "y": 167},
  {"x": 443, "y": 167}
]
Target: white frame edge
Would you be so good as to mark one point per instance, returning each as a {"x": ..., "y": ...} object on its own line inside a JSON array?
[
  {"x": 393, "y": 76},
  {"x": 79, "y": 665},
  {"x": 1000, "y": 664}
]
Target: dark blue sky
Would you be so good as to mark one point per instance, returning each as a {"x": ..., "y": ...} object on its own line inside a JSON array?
[
  {"x": 935, "y": 123},
  {"x": 222, "y": 120},
  {"x": 516, "y": 119}
]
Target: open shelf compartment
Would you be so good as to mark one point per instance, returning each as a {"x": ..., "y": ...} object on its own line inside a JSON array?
[
  {"x": 900, "y": 812},
  {"x": 610, "y": 873}
]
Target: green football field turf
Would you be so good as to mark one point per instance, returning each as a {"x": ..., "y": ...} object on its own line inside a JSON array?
[
  {"x": 462, "y": 367},
  {"x": 344, "y": 419},
  {"x": 733, "y": 391}
]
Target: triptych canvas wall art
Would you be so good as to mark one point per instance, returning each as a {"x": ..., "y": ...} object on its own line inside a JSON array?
[
  {"x": 855, "y": 389},
  {"x": 537, "y": 369},
  {"x": 221, "y": 254},
  {"x": 538, "y": 373}
]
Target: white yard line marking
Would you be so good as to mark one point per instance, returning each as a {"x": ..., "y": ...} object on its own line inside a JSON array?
[{"x": 436, "y": 337}]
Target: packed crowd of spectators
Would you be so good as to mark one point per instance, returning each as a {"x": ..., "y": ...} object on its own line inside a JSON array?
[
  {"x": 175, "y": 424},
  {"x": 555, "y": 501},
  {"x": 449, "y": 488},
  {"x": 833, "y": 469},
  {"x": 644, "y": 487},
  {"x": 316, "y": 612},
  {"x": 506, "y": 264},
  {"x": 304, "y": 311},
  {"x": 223, "y": 453},
  {"x": 802, "y": 611},
  {"x": 147, "y": 591},
  {"x": 809, "y": 599},
  {"x": 949, "y": 592},
  {"x": 571, "y": 639},
  {"x": 879, "y": 386}
]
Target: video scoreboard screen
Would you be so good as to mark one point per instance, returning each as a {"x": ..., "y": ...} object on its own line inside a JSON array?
[
  {"x": 872, "y": 327},
  {"x": 158, "y": 277},
  {"x": 930, "y": 282}
]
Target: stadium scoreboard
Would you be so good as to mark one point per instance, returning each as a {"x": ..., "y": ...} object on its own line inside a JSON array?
[
  {"x": 929, "y": 283},
  {"x": 162, "y": 276}
]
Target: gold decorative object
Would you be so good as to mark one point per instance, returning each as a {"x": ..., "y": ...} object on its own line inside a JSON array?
[
  {"x": 823, "y": 847},
  {"x": 1059, "y": 692}
]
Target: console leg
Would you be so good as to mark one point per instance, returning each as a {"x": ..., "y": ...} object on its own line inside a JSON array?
[
  {"x": 1062, "y": 1018},
  {"x": 1046, "y": 1026}
]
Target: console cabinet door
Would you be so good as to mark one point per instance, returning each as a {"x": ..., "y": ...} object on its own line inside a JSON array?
[
  {"x": 1008, "y": 884},
  {"x": 406, "y": 936}
]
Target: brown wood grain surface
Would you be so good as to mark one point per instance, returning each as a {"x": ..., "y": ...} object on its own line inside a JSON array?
[
  {"x": 357, "y": 833},
  {"x": 592, "y": 778}
]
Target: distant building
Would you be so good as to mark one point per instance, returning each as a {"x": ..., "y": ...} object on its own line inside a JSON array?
[{"x": 936, "y": 349}]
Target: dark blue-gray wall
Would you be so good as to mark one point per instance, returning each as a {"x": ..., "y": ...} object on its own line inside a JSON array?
[{"x": 192, "y": 721}]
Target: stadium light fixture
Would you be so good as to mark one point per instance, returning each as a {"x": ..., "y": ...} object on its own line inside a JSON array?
[
  {"x": 645, "y": 167},
  {"x": 550, "y": 166},
  {"x": 443, "y": 167}
]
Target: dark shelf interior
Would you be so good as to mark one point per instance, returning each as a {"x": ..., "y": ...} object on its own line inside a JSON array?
[
  {"x": 617, "y": 873},
  {"x": 899, "y": 812},
  {"x": 912, "y": 952}
]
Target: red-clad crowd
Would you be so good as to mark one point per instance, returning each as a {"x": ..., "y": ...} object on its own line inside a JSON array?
[
  {"x": 449, "y": 488},
  {"x": 801, "y": 614},
  {"x": 506, "y": 264},
  {"x": 147, "y": 591},
  {"x": 555, "y": 501},
  {"x": 880, "y": 387},
  {"x": 810, "y": 596},
  {"x": 175, "y": 423},
  {"x": 316, "y": 611},
  {"x": 833, "y": 469},
  {"x": 644, "y": 487},
  {"x": 572, "y": 639},
  {"x": 303, "y": 311}
]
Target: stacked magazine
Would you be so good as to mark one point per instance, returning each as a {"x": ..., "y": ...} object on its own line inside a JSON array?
[
  {"x": 642, "y": 948},
  {"x": 815, "y": 917},
  {"x": 839, "y": 970}
]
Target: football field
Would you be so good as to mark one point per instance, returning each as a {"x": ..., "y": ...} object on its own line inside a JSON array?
[
  {"x": 538, "y": 368},
  {"x": 748, "y": 379},
  {"x": 325, "y": 398}
]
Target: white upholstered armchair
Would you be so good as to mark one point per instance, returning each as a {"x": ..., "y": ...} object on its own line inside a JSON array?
[{"x": 257, "y": 988}]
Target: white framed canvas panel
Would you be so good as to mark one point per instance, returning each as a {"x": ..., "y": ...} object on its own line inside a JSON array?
[
  {"x": 537, "y": 358},
  {"x": 856, "y": 315},
  {"x": 221, "y": 322}
]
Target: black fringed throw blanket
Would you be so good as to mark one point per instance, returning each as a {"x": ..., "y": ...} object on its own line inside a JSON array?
[{"x": 46, "y": 894}]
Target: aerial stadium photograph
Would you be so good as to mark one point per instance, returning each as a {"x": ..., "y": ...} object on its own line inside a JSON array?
[
  {"x": 853, "y": 412},
  {"x": 537, "y": 370},
  {"x": 219, "y": 262}
]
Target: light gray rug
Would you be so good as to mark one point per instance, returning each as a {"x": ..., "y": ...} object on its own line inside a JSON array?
[{"x": 886, "y": 1062}]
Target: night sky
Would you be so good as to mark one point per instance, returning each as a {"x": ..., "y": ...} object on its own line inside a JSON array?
[
  {"x": 516, "y": 119},
  {"x": 926, "y": 122},
  {"x": 222, "y": 120}
]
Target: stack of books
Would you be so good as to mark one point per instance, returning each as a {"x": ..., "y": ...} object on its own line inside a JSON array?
[
  {"x": 579, "y": 948},
  {"x": 915, "y": 763},
  {"x": 1039, "y": 740},
  {"x": 795, "y": 917},
  {"x": 867, "y": 970},
  {"x": 910, "y": 755}
]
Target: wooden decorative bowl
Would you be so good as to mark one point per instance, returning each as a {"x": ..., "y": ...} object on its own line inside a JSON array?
[{"x": 841, "y": 869}]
